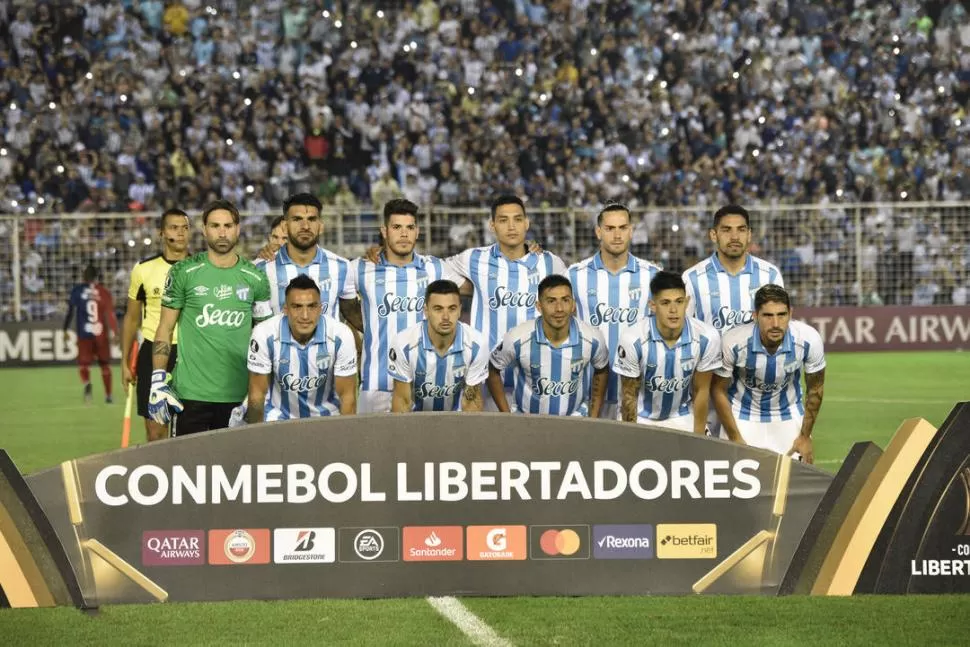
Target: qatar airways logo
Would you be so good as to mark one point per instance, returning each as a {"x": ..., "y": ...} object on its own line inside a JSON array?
[
  {"x": 658, "y": 384},
  {"x": 552, "y": 388},
  {"x": 432, "y": 390},
  {"x": 305, "y": 384},
  {"x": 727, "y": 318},
  {"x": 607, "y": 314},
  {"x": 505, "y": 298},
  {"x": 393, "y": 303}
]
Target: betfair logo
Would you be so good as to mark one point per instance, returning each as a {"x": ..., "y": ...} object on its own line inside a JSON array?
[{"x": 686, "y": 541}]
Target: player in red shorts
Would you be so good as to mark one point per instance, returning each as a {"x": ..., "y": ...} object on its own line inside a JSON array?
[{"x": 95, "y": 316}]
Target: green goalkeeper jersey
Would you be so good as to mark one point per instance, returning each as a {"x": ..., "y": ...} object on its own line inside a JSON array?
[{"x": 218, "y": 307}]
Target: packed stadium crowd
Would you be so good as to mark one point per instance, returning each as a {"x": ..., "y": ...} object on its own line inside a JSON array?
[{"x": 141, "y": 106}]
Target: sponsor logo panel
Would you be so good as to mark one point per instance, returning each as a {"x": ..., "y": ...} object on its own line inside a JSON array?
[
  {"x": 304, "y": 545},
  {"x": 433, "y": 543},
  {"x": 630, "y": 541},
  {"x": 173, "y": 547},
  {"x": 369, "y": 544},
  {"x": 239, "y": 546},
  {"x": 497, "y": 543},
  {"x": 686, "y": 540},
  {"x": 559, "y": 542}
]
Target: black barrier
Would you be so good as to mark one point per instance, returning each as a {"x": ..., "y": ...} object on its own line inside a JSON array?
[
  {"x": 449, "y": 504},
  {"x": 39, "y": 343}
]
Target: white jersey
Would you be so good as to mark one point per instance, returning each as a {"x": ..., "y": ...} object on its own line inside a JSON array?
[
  {"x": 333, "y": 275},
  {"x": 612, "y": 302},
  {"x": 302, "y": 376},
  {"x": 765, "y": 387},
  {"x": 726, "y": 300},
  {"x": 549, "y": 379},
  {"x": 392, "y": 299},
  {"x": 667, "y": 374},
  {"x": 437, "y": 382}
]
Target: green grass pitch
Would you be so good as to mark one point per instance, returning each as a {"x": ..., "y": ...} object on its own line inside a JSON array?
[{"x": 43, "y": 421}]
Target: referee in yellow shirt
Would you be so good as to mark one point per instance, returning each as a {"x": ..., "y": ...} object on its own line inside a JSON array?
[{"x": 144, "y": 308}]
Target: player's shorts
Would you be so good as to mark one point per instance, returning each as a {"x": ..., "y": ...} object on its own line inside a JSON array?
[
  {"x": 93, "y": 348},
  {"x": 373, "y": 402},
  {"x": 777, "y": 436},
  {"x": 143, "y": 372},
  {"x": 677, "y": 423},
  {"x": 201, "y": 416}
]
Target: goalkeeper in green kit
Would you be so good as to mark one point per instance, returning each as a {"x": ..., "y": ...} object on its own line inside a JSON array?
[{"x": 214, "y": 297}]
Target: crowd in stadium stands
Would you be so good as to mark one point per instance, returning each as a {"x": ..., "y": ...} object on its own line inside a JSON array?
[{"x": 136, "y": 106}]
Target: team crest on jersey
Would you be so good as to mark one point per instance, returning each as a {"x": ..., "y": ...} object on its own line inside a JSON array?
[
  {"x": 223, "y": 292},
  {"x": 635, "y": 294},
  {"x": 242, "y": 292},
  {"x": 687, "y": 365},
  {"x": 156, "y": 292},
  {"x": 323, "y": 362},
  {"x": 576, "y": 367},
  {"x": 534, "y": 277},
  {"x": 791, "y": 367},
  {"x": 422, "y": 283},
  {"x": 200, "y": 290}
]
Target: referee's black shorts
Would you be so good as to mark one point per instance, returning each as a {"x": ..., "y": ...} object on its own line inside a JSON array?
[{"x": 143, "y": 371}]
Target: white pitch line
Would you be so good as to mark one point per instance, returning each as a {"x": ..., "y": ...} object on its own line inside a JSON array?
[
  {"x": 885, "y": 400},
  {"x": 471, "y": 625}
]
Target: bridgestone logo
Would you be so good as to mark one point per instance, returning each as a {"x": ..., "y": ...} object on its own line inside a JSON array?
[
  {"x": 300, "y": 558},
  {"x": 627, "y": 542}
]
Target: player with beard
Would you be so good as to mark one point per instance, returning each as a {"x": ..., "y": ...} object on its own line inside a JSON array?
[{"x": 214, "y": 297}]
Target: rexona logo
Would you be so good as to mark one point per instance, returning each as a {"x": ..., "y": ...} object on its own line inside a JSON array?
[
  {"x": 559, "y": 542},
  {"x": 623, "y": 541},
  {"x": 304, "y": 545},
  {"x": 173, "y": 547},
  {"x": 686, "y": 540},
  {"x": 433, "y": 543},
  {"x": 246, "y": 546},
  {"x": 497, "y": 543},
  {"x": 378, "y": 544}
]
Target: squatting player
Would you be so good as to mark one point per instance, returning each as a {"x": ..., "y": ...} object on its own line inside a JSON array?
[
  {"x": 758, "y": 390},
  {"x": 560, "y": 365},
  {"x": 214, "y": 297},
  {"x": 667, "y": 361},
  {"x": 612, "y": 288},
  {"x": 144, "y": 308},
  {"x": 440, "y": 363},
  {"x": 95, "y": 317},
  {"x": 305, "y": 360},
  {"x": 392, "y": 299}
]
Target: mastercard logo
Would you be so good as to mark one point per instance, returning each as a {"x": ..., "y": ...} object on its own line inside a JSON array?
[{"x": 559, "y": 542}]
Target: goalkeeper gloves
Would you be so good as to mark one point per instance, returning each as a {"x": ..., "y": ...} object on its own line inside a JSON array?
[{"x": 162, "y": 403}]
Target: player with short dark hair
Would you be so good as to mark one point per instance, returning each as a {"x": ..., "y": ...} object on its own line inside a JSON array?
[
  {"x": 277, "y": 234},
  {"x": 214, "y": 297},
  {"x": 758, "y": 390},
  {"x": 666, "y": 362},
  {"x": 560, "y": 364},
  {"x": 438, "y": 364},
  {"x": 95, "y": 317},
  {"x": 145, "y": 290},
  {"x": 305, "y": 360},
  {"x": 612, "y": 288}
]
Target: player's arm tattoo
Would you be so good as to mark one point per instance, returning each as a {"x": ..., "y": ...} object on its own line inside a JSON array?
[
  {"x": 601, "y": 378},
  {"x": 629, "y": 398},
  {"x": 471, "y": 398},
  {"x": 161, "y": 348},
  {"x": 815, "y": 387}
]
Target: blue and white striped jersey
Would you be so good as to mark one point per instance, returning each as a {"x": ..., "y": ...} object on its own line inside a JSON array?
[
  {"x": 612, "y": 302},
  {"x": 725, "y": 300},
  {"x": 548, "y": 379},
  {"x": 764, "y": 387},
  {"x": 301, "y": 382},
  {"x": 392, "y": 299},
  {"x": 667, "y": 374},
  {"x": 332, "y": 274},
  {"x": 437, "y": 382}
]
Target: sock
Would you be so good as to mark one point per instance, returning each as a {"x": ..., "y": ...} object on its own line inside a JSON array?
[
  {"x": 106, "y": 377},
  {"x": 85, "y": 375}
]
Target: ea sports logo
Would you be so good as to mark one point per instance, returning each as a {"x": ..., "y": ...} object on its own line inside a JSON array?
[
  {"x": 239, "y": 546},
  {"x": 368, "y": 544}
]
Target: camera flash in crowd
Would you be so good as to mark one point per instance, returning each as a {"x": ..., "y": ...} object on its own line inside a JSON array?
[
  {"x": 248, "y": 101},
  {"x": 250, "y": 188},
  {"x": 31, "y": 210},
  {"x": 60, "y": 168},
  {"x": 326, "y": 14},
  {"x": 735, "y": 75},
  {"x": 761, "y": 119},
  {"x": 236, "y": 75},
  {"x": 471, "y": 91},
  {"x": 518, "y": 71},
  {"x": 228, "y": 141},
  {"x": 3, "y": 152},
  {"x": 41, "y": 200},
  {"x": 338, "y": 24},
  {"x": 13, "y": 106},
  {"x": 89, "y": 76},
  {"x": 14, "y": 203},
  {"x": 380, "y": 13},
  {"x": 147, "y": 241},
  {"x": 52, "y": 105},
  {"x": 353, "y": 44},
  {"x": 592, "y": 51},
  {"x": 131, "y": 243}
]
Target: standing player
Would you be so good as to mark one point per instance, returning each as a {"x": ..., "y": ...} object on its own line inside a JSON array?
[
  {"x": 214, "y": 297},
  {"x": 392, "y": 297},
  {"x": 667, "y": 361},
  {"x": 277, "y": 235},
  {"x": 95, "y": 311},
  {"x": 440, "y": 363},
  {"x": 305, "y": 360},
  {"x": 144, "y": 308},
  {"x": 503, "y": 278},
  {"x": 611, "y": 288},
  {"x": 560, "y": 364},
  {"x": 758, "y": 390}
]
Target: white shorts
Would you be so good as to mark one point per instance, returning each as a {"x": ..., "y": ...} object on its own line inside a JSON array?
[
  {"x": 373, "y": 402},
  {"x": 678, "y": 423},
  {"x": 777, "y": 436}
]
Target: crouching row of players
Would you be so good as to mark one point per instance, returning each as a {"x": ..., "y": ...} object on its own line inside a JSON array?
[{"x": 671, "y": 366}]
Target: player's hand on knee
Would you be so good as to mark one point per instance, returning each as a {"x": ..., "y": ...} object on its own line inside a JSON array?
[{"x": 162, "y": 402}]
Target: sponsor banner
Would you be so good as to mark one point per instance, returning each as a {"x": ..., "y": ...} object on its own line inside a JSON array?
[
  {"x": 549, "y": 499},
  {"x": 631, "y": 541},
  {"x": 304, "y": 545},
  {"x": 890, "y": 327},
  {"x": 173, "y": 548},
  {"x": 40, "y": 343}
]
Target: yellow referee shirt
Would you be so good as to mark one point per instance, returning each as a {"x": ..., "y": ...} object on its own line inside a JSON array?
[{"x": 147, "y": 286}]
